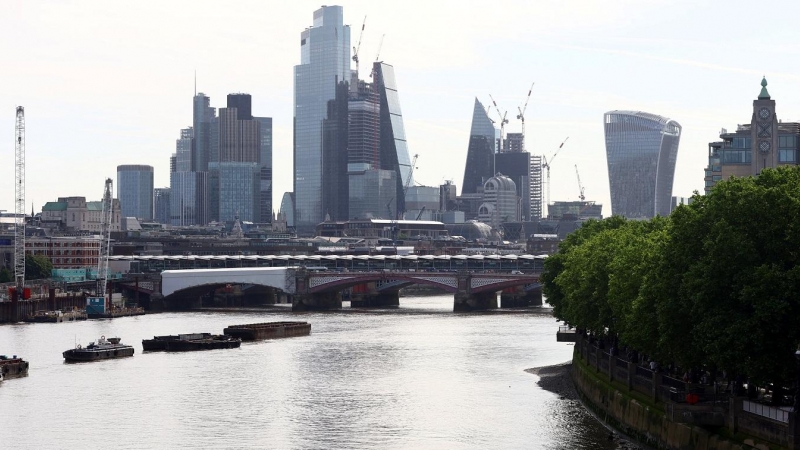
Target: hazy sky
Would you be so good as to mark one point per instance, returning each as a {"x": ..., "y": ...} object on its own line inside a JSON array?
[{"x": 106, "y": 83}]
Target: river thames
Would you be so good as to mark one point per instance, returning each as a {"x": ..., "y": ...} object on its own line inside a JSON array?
[{"x": 416, "y": 377}]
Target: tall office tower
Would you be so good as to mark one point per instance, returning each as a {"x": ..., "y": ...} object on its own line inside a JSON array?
[
  {"x": 287, "y": 208},
  {"x": 243, "y": 103},
  {"x": 481, "y": 151},
  {"x": 324, "y": 61},
  {"x": 334, "y": 156},
  {"x": 641, "y": 150},
  {"x": 239, "y": 140},
  {"x": 135, "y": 191},
  {"x": 764, "y": 142},
  {"x": 234, "y": 189},
  {"x": 517, "y": 166},
  {"x": 513, "y": 143},
  {"x": 188, "y": 198},
  {"x": 183, "y": 151},
  {"x": 265, "y": 169},
  {"x": 203, "y": 119},
  {"x": 393, "y": 148},
  {"x": 161, "y": 205},
  {"x": 536, "y": 188},
  {"x": 173, "y": 162}
]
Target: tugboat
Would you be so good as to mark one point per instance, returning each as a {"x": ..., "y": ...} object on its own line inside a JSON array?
[
  {"x": 103, "y": 349},
  {"x": 12, "y": 367}
]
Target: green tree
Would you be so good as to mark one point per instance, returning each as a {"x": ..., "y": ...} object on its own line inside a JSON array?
[
  {"x": 5, "y": 275},
  {"x": 37, "y": 267}
]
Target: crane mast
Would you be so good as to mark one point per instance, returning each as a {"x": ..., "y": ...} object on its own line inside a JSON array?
[
  {"x": 521, "y": 115},
  {"x": 546, "y": 165},
  {"x": 358, "y": 46},
  {"x": 19, "y": 202},
  {"x": 580, "y": 186},
  {"x": 409, "y": 179},
  {"x": 503, "y": 122},
  {"x": 105, "y": 240}
]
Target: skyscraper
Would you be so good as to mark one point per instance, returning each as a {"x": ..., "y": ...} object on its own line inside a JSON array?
[
  {"x": 188, "y": 188},
  {"x": 203, "y": 116},
  {"x": 161, "y": 202},
  {"x": 265, "y": 169},
  {"x": 641, "y": 150},
  {"x": 480, "y": 154},
  {"x": 135, "y": 191},
  {"x": 324, "y": 61}
]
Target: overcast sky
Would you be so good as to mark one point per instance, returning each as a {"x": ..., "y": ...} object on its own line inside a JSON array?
[{"x": 106, "y": 83}]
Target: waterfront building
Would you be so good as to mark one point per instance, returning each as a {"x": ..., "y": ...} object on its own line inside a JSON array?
[
  {"x": 161, "y": 197},
  {"x": 75, "y": 214},
  {"x": 481, "y": 150},
  {"x": 324, "y": 62},
  {"x": 500, "y": 201},
  {"x": 765, "y": 142},
  {"x": 135, "y": 191},
  {"x": 641, "y": 151}
]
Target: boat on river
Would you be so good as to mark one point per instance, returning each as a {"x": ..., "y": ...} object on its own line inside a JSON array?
[
  {"x": 268, "y": 330},
  {"x": 211, "y": 342},
  {"x": 102, "y": 349},
  {"x": 160, "y": 342},
  {"x": 12, "y": 367}
]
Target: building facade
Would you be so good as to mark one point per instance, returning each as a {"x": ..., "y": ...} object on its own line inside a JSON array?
[
  {"x": 75, "y": 214},
  {"x": 161, "y": 201},
  {"x": 265, "y": 169},
  {"x": 66, "y": 252},
  {"x": 324, "y": 62},
  {"x": 641, "y": 151},
  {"x": 481, "y": 150},
  {"x": 765, "y": 142},
  {"x": 135, "y": 191},
  {"x": 236, "y": 186},
  {"x": 500, "y": 201},
  {"x": 188, "y": 198}
]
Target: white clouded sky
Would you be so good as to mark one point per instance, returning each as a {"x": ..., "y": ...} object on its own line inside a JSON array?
[{"x": 109, "y": 83}]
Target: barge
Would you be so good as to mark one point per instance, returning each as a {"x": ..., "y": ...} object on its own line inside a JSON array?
[
  {"x": 211, "y": 342},
  {"x": 12, "y": 367},
  {"x": 57, "y": 316},
  {"x": 159, "y": 343},
  {"x": 104, "y": 349},
  {"x": 268, "y": 330},
  {"x": 115, "y": 312}
]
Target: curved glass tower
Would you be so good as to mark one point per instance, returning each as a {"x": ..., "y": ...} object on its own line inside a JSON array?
[
  {"x": 480, "y": 154},
  {"x": 641, "y": 150}
]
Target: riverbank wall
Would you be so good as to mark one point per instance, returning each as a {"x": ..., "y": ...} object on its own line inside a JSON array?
[
  {"x": 652, "y": 408},
  {"x": 15, "y": 311}
]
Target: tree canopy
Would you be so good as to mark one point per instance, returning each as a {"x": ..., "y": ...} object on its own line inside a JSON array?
[
  {"x": 37, "y": 267},
  {"x": 715, "y": 283}
]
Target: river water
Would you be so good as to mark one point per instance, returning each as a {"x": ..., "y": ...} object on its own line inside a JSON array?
[{"x": 416, "y": 377}]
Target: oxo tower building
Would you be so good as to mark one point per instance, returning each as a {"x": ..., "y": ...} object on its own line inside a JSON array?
[
  {"x": 641, "y": 151},
  {"x": 324, "y": 61}
]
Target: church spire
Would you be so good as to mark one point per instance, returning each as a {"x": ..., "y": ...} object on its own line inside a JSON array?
[{"x": 764, "y": 95}]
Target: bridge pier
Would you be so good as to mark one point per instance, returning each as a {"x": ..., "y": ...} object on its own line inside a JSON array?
[
  {"x": 376, "y": 300},
  {"x": 320, "y": 301},
  {"x": 520, "y": 298},
  {"x": 480, "y": 301}
]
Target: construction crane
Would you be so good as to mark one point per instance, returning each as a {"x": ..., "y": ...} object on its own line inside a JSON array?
[
  {"x": 580, "y": 186},
  {"x": 105, "y": 240},
  {"x": 420, "y": 212},
  {"x": 503, "y": 122},
  {"x": 19, "y": 203},
  {"x": 546, "y": 166},
  {"x": 358, "y": 47},
  {"x": 410, "y": 175},
  {"x": 377, "y": 55},
  {"x": 521, "y": 115}
]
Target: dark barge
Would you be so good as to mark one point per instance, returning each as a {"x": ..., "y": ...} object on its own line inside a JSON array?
[
  {"x": 159, "y": 343},
  {"x": 12, "y": 367},
  {"x": 104, "y": 349},
  {"x": 268, "y": 330},
  {"x": 211, "y": 342}
]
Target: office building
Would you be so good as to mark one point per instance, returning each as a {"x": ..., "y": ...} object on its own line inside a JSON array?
[
  {"x": 517, "y": 166},
  {"x": 75, "y": 214},
  {"x": 481, "y": 150},
  {"x": 500, "y": 201},
  {"x": 324, "y": 62},
  {"x": 765, "y": 142},
  {"x": 287, "y": 208},
  {"x": 265, "y": 170},
  {"x": 135, "y": 191},
  {"x": 641, "y": 151},
  {"x": 203, "y": 119},
  {"x": 235, "y": 186},
  {"x": 188, "y": 198},
  {"x": 335, "y": 182},
  {"x": 161, "y": 203}
]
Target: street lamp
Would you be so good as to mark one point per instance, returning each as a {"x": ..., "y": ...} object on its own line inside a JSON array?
[{"x": 797, "y": 391}]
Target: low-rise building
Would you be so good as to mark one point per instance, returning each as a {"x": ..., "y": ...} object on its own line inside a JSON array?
[{"x": 75, "y": 214}]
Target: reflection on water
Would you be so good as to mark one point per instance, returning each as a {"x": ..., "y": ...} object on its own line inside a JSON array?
[{"x": 419, "y": 376}]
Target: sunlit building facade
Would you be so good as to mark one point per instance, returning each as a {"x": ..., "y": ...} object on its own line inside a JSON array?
[
  {"x": 641, "y": 151},
  {"x": 135, "y": 190}
]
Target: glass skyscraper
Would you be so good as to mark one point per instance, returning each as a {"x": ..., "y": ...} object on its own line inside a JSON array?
[
  {"x": 324, "y": 61},
  {"x": 265, "y": 168},
  {"x": 641, "y": 150},
  {"x": 480, "y": 154},
  {"x": 135, "y": 191},
  {"x": 161, "y": 197},
  {"x": 236, "y": 186}
]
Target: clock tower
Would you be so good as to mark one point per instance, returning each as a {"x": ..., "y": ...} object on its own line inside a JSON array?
[{"x": 763, "y": 132}]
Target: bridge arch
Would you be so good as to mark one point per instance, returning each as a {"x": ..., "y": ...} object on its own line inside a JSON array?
[
  {"x": 173, "y": 281},
  {"x": 335, "y": 282}
]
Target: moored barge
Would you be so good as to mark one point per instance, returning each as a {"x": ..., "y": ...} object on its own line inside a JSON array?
[
  {"x": 211, "y": 342},
  {"x": 57, "y": 316},
  {"x": 159, "y": 343},
  {"x": 12, "y": 367},
  {"x": 268, "y": 330},
  {"x": 103, "y": 349}
]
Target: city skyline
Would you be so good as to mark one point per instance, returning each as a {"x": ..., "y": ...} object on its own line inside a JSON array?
[{"x": 93, "y": 104}]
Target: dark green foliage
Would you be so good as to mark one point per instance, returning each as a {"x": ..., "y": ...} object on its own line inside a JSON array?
[
  {"x": 717, "y": 283},
  {"x": 37, "y": 267},
  {"x": 5, "y": 275}
]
